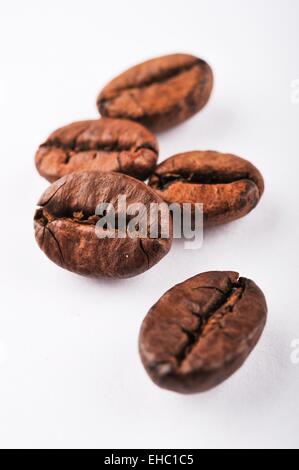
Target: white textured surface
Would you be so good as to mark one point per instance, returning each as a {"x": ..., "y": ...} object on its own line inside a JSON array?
[{"x": 69, "y": 368}]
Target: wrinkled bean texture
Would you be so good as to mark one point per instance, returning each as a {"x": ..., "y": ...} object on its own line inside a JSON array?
[
  {"x": 228, "y": 186},
  {"x": 201, "y": 331},
  {"x": 65, "y": 225},
  {"x": 159, "y": 93},
  {"x": 98, "y": 145}
]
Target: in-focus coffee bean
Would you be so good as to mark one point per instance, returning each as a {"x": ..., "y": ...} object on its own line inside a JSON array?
[
  {"x": 201, "y": 331},
  {"x": 159, "y": 93},
  {"x": 229, "y": 187},
  {"x": 66, "y": 221},
  {"x": 98, "y": 145}
]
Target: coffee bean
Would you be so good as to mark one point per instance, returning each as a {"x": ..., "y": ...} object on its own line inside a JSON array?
[
  {"x": 229, "y": 187},
  {"x": 159, "y": 93},
  {"x": 99, "y": 145},
  {"x": 201, "y": 331},
  {"x": 65, "y": 226}
]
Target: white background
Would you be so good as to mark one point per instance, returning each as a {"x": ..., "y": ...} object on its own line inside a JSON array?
[{"x": 70, "y": 375}]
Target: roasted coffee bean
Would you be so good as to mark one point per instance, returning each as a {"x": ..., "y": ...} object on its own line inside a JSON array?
[
  {"x": 159, "y": 93},
  {"x": 201, "y": 331},
  {"x": 229, "y": 187},
  {"x": 65, "y": 226},
  {"x": 100, "y": 145}
]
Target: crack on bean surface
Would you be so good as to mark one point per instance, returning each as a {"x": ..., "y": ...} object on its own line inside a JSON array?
[
  {"x": 144, "y": 251},
  {"x": 57, "y": 244},
  {"x": 210, "y": 287}
]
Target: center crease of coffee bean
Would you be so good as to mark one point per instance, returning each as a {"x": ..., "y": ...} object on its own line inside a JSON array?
[
  {"x": 161, "y": 78},
  {"x": 87, "y": 146},
  {"x": 165, "y": 181},
  {"x": 225, "y": 305}
]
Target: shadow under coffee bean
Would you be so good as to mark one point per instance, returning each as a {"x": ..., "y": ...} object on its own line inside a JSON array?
[
  {"x": 201, "y": 331},
  {"x": 65, "y": 226},
  {"x": 228, "y": 186},
  {"x": 98, "y": 145}
]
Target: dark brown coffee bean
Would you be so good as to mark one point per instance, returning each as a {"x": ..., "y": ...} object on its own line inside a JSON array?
[
  {"x": 65, "y": 226},
  {"x": 100, "y": 145},
  {"x": 159, "y": 93},
  {"x": 229, "y": 187},
  {"x": 201, "y": 331}
]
